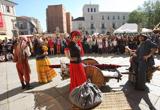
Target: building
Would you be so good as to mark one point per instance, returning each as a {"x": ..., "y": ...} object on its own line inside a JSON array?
[
  {"x": 58, "y": 20},
  {"x": 7, "y": 16},
  {"x": 28, "y": 25},
  {"x": 94, "y": 21},
  {"x": 69, "y": 22}
]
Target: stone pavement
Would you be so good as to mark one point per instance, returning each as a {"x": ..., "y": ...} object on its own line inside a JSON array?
[{"x": 54, "y": 95}]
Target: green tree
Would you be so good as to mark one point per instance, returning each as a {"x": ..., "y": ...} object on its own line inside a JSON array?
[
  {"x": 138, "y": 17},
  {"x": 146, "y": 16},
  {"x": 149, "y": 13},
  {"x": 156, "y": 8}
]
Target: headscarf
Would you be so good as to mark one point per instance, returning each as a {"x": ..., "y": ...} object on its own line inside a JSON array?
[{"x": 75, "y": 33}]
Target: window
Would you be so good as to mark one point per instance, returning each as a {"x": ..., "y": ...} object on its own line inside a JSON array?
[
  {"x": 21, "y": 33},
  {"x": 91, "y": 17},
  {"x": 113, "y": 25},
  {"x": 22, "y": 25},
  {"x": 108, "y": 18},
  {"x": 124, "y": 18},
  {"x": 8, "y": 9},
  {"x": 103, "y": 26},
  {"x": 102, "y": 17},
  {"x": 92, "y": 32},
  {"x": 118, "y": 17},
  {"x": 88, "y": 9},
  {"x": 92, "y": 26},
  {"x": 91, "y": 10},
  {"x": 113, "y": 17},
  {"x": 94, "y": 9}
]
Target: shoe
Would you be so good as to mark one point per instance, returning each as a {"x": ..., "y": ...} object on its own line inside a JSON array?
[
  {"x": 23, "y": 85},
  {"x": 28, "y": 86},
  {"x": 148, "y": 81}
]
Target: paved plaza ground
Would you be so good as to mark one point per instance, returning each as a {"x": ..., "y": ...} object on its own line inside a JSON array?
[{"x": 54, "y": 95}]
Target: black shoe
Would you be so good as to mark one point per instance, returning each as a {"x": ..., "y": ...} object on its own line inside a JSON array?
[
  {"x": 23, "y": 85},
  {"x": 28, "y": 86},
  {"x": 148, "y": 81}
]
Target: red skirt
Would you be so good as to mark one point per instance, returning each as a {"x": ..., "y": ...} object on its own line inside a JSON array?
[{"x": 77, "y": 75}]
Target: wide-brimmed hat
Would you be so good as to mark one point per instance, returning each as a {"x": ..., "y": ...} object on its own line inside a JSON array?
[{"x": 142, "y": 35}]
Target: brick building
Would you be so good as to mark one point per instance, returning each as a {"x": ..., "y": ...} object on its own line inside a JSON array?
[{"x": 58, "y": 20}]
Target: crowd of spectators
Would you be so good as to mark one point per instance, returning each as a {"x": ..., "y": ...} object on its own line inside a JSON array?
[{"x": 99, "y": 44}]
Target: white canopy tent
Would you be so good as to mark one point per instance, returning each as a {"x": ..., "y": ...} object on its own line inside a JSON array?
[
  {"x": 127, "y": 28},
  {"x": 145, "y": 30}
]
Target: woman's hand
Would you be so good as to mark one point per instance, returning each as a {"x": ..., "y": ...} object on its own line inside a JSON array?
[
  {"x": 67, "y": 53},
  {"x": 45, "y": 53},
  {"x": 73, "y": 59}
]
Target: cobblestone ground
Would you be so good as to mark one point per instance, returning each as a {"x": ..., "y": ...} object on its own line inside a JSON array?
[{"x": 54, "y": 95}]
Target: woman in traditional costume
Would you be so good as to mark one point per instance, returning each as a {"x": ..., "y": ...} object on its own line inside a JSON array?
[
  {"x": 76, "y": 69},
  {"x": 21, "y": 53},
  {"x": 45, "y": 73}
]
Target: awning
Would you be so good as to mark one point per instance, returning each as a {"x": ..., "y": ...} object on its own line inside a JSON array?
[
  {"x": 145, "y": 30},
  {"x": 127, "y": 28}
]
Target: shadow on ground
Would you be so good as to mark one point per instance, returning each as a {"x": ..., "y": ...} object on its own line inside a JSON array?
[
  {"x": 15, "y": 91},
  {"x": 55, "y": 98},
  {"x": 134, "y": 97}
]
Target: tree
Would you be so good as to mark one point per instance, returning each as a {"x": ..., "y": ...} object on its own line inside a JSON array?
[
  {"x": 136, "y": 17},
  {"x": 148, "y": 15},
  {"x": 156, "y": 9}
]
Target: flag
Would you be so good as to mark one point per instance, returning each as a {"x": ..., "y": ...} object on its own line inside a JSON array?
[{"x": 1, "y": 20}]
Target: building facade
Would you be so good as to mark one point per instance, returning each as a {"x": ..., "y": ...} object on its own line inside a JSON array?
[
  {"x": 69, "y": 22},
  {"x": 28, "y": 25},
  {"x": 58, "y": 20},
  {"x": 94, "y": 21},
  {"x": 7, "y": 16}
]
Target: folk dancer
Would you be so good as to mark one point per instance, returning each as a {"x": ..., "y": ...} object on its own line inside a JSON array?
[
  {"x": 76, "y": 69},
  {"x": 21, "y": 53},
  {"x": 45, "y": 73}
]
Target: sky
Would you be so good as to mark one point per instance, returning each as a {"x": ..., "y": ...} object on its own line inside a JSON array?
[{"x": 37, "y": 8}]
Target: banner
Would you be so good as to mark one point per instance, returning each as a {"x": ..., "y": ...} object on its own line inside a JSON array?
[{"x": 1, "y": 20}]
